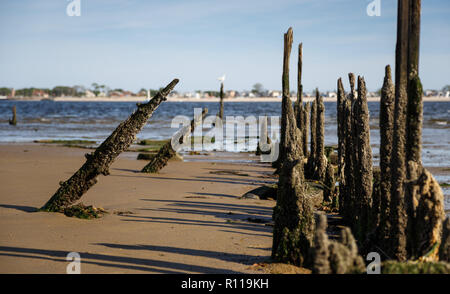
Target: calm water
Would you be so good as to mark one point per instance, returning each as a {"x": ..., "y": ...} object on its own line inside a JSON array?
[{"x": 96, "y": 120}]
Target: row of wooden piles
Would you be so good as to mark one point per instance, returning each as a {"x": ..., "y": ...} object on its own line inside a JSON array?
[{"x": 396, "y": 210}]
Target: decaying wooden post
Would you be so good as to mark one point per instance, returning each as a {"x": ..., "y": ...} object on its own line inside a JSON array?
[
  {"x": 221, "y": 106},
  {"x": 348, "y": 198},
  {"x": 13, "y": 120},
  {"x": 444, "y": 248},
  {"x": 288, "y": 38},
  {"x": 311, "y": 165},
  {"x": 386, "y": 144},
  {"x": 321, "y": 160},
  {"x": 335, "y": 256},
  {"x": 293, "y": 214},
  {"x": 341, "y": 140},
  {"x": 166, "y": 152},
  {"x": 299, "y": 107},
  {"x": 415, "y": 108},
  {"x": 364, "y": 174},
  {"x": 306, "y": 111},
  {"x": 425, "y": 206},
  {"x": 398, "y": 163},
  {"x": 99, "y": 161}
]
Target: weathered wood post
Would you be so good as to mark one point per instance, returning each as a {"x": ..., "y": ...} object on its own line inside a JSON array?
[
  {"x": 221, "y": 106},
  {"x": 166, "y": 152},
  {"x": 341, "y": 140},
  {"x": 386, "y": 145},
  {"x": 415, "y": 106},
  {"x": 306, "y": 111},
  {"x": 444, "y": 248},
  {"x": 299, "y": 107},
  {"x": 364, "y": 175},
  {"x": 311, "y": 164},
  {"x": 288, "y": 39},
  {"x": 398, "y": 164},
  {"x": 321, "y": 160},
  {"x": 13, "y": 120},
  {"x": 348, "y": 201},
  {"x": 293, "y": 214},
  {"x": 99, "y": 161}
]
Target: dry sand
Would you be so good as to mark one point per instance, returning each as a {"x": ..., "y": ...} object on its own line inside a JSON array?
[{"x": 183, "y": 220}]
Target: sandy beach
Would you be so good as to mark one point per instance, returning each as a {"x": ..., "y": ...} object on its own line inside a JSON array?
[{"x": 186, "y": 219}]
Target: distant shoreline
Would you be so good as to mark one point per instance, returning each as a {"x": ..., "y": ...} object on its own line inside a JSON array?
[{"x": 179, "y": 99}]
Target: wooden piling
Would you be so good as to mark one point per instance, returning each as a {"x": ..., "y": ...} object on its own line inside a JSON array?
[
  {"x": 99, "y": 161},
  {"x": 386, "y": 145},
  {"x": 13, "y": 120},
  {"x": 166, "y": 152}
]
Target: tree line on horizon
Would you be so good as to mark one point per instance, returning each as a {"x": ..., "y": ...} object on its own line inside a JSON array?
[{"x": 103, "y": 90}]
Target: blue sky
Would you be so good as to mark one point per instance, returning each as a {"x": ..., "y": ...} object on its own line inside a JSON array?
[{"x": 133, "y": 44}]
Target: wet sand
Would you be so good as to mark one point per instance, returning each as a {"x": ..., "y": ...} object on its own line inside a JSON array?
[{"x": 187, "y": 219}]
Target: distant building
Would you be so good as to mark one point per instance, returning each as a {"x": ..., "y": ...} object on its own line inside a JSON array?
[
  {"x": 89, "y": 94},
  {"x": 39, "y": 93},
  {"x": 275, "y": 94}
]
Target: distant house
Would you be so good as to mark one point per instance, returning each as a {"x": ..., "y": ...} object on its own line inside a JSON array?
[
  {"x": 89, "y": 94},
  {"x": 331, "y": 95},
  {"x": 275, "y": 94},
  {"x": 230, "y": 94},
  {"x": 101, "y": 94},
  {"x": 39, "y": 93}
]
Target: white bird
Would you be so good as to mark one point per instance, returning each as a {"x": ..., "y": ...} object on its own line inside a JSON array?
[{"x": 222, "y": 78}]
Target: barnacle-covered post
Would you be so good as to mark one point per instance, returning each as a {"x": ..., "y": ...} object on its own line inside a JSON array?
[
  {"x": 99, "y": 161},
  {"x": 293, "y": 214},
  {"x": 386, "y": 143},
  {"x": 166, "y": 152}
]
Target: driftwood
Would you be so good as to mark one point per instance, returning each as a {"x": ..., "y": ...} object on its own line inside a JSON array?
[
  {"x": 99, "y": 161},
  {"x": 166, "y": 152}
]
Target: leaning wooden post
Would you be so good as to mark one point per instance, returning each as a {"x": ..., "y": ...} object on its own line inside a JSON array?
[
  {"x": 166, "y": 152},
  {"x": 386, "y": 144},
  {"x": 288, "y": 38},
  {"x": 99, "y": 161},
  {"x": 398, "y": 163},
  {"x": 364, "y": 173},
  {"x": 13, "y": 120},
  {"x": 321, "y": 160},
  {"x": 221, "y": 101}
]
